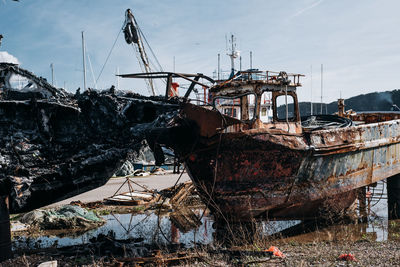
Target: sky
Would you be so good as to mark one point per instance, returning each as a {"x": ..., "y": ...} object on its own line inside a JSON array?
[{"x": 356, "y": 41}]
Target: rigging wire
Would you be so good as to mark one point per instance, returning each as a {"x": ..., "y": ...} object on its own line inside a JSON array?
[
  {"x": 158, "y": 67},
  {"x": 149, "y": 82},
  {"x": 108, "y": 56},
  {"x": 91, "y": 70}
]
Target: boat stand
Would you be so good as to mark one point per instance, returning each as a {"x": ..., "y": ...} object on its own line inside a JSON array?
[
  {"x": 393, "y": 193},
  {"x": 5, "y": 233}
]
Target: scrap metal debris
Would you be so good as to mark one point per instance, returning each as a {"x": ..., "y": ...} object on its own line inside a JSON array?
[
  {"x": 131, "y": 198},
  {"x": 174, "y": 196}
]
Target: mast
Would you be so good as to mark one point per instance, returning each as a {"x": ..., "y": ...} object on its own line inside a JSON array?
[
  {"x": 311, "y": 108},
  {"x": 251, "y": 60},
  {"x": 322, "y": 68},
  {"x": 52, "y": 73},
  {"x": 219, "y": 66},
  {"x": 233, "y": 54},
  {"x": 133, "y": 35},
  {"x": 84, "y": 62}
]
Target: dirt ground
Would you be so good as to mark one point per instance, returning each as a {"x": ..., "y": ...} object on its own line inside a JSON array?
[
  {"x": 307, "y": 252},
  {"x": 310, "y": 254}
]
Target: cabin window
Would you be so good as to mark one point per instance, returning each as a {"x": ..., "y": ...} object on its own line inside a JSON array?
[
  {"x": 263, "y": 112},
  {"x": 242, "y": 108},
  {"x": 21, "y": 83},
  {"x": 251, "y": 101},
  {"x": 230, "y": 111},
  {"x": 266, "y": 107},
  {"x": 229, "y": 107},
  {"x": 281, "y": 107}
]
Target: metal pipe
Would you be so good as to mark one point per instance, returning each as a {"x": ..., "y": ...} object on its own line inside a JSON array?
[{"x": 287, "y": 109}]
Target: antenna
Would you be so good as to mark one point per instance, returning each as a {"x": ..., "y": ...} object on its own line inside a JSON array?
[
  {"x": 84, "y": 63},
  {"x": 233, "y": 54},
  {"x": 219, "y": 66}
]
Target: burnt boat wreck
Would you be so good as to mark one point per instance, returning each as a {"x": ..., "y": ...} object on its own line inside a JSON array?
[
  {"x": 55, "y": 144},
  {"x": 251, "y": 155}
]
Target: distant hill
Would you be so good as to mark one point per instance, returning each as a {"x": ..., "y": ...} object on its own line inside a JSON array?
[{"x": 377, "y": 101}]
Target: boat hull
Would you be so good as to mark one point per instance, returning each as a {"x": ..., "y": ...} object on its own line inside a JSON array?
[{"x": 246, "y": 176}]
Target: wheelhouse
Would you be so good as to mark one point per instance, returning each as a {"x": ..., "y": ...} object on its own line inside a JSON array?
[{"x": 261, "y": 99}]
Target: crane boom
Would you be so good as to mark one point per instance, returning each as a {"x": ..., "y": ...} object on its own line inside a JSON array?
[{"x": 133, "y": 36}]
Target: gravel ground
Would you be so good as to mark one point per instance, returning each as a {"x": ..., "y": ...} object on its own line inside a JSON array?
[{"x": 311, "y": 254}]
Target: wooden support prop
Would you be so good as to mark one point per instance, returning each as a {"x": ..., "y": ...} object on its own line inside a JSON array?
[
  {"x": 393, "y": 193},
  {"x": 5, "y": 233},
  {"x": 362, "y": 204}
]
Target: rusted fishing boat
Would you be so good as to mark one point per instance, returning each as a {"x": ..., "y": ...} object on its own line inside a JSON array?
[{"x": 281, "y": 166}]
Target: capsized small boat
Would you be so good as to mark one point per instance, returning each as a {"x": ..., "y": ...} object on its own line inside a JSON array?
[{"x": 251, "y": 155}]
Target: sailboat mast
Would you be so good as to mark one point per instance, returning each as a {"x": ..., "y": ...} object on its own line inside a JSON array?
[
  {"x": 311, "y": 108},
  {"x": 322, "y": 69},
  {"x": 84, "y": 61},
  {"x": 52, "y": 73}
]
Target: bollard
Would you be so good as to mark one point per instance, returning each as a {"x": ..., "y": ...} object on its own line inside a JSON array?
[
  {"x": 5, "y": 233},
  {"x": 393, "y": 193}
]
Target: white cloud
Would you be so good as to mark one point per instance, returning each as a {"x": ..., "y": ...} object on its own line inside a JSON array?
[
  {"x": 5, "y": 57},
  {"x": 301, "y": 11}
]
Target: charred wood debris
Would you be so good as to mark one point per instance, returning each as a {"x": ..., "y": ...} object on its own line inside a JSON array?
[{"x": 54, "y": 144}]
